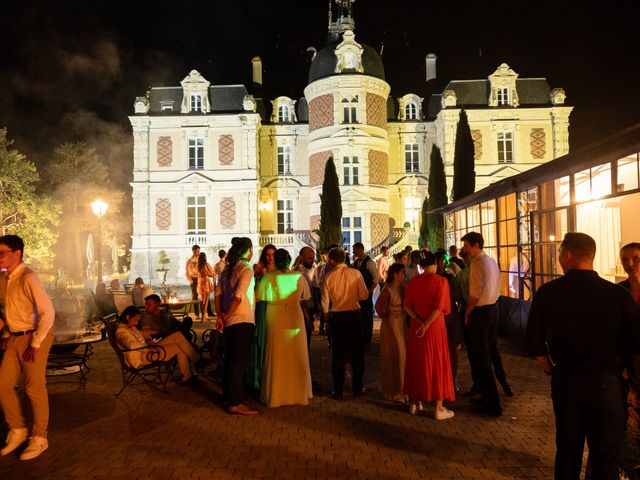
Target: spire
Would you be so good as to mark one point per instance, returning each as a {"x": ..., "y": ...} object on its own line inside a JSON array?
[{"x": 344, "y": 20}]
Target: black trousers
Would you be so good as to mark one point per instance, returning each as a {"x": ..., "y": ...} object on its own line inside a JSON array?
[
  {"x": 588, "y": 405},
  {"x": 194, "y": 295},
  {"x": 496, "y": 358},
  {"x": 347, "y": 344},
  {"x": 366, "y": 311},
  {"x": 237, "y": 343},
  {"x": 483, "y": 320}
]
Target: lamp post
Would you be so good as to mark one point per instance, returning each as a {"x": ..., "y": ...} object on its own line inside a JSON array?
[{"x": 99, "y": 209}]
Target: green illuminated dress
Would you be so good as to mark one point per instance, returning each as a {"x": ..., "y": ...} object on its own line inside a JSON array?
[{"x": 286, "y": 378}]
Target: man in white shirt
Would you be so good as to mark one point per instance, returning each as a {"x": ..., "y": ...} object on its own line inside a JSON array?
[
  {"x": 383, "y": 265},
  {"x": 342, "y": 290},
  {"x": 27, "y": 339},
  {"x": 481, "y": 319}
]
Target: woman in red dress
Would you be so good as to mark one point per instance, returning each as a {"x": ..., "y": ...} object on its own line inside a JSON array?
[{"x": 427, "y": 374}]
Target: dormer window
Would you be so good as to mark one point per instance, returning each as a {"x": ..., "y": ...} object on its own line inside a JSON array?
[
  {"x": 166, "y": 106},
  {"x": 503, "y": 96},
  {"x": 196, "y": 103},
  {"x": 284, "y": 114},
  {"x": 411, "y": 111},
  {"x": 350, "y": 110}
]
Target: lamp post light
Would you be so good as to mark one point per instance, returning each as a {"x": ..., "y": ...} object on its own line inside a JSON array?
[{"x": 99, "y": 209}]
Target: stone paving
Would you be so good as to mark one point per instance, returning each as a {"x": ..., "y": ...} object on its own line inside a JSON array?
[{"x": 186, "y": 434}]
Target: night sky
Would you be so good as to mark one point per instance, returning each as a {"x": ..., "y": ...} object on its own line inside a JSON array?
[{"x": 72, "y": 70}]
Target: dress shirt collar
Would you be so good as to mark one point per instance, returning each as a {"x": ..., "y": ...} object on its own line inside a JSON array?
[{"x": 16, "y": 273}]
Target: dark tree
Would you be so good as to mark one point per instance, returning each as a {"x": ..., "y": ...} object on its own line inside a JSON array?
[
  {"x": 330, "y": 231},
  {"x": 437, "y": 198},
  {"x": 423, "y": 238},
  {"x": 464, "y": 175}
]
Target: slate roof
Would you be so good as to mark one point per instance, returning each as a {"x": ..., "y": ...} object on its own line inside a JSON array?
[
  {"x": 325, "y": 61},
  {"x": 475, "y": 93},
  {"x": 223, "y": 98}
]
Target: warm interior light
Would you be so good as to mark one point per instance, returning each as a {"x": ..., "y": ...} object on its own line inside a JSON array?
[
  {"x": 265, "y": 206},
  {"x": 99, "y": 208},
  {"x": 552, "y": 238}
]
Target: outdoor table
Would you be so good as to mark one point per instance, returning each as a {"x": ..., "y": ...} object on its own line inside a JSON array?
[
  {"x": 63, "y": 357},
  {"x": 181, "y": 307}
]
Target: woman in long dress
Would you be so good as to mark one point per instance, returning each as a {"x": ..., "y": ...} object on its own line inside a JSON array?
[
  {"x": 393, "y": 332},
  {"x": 427, "y": 375},
  {"x": 286, "y": 378},
  {"x": 266, "y": 263},
  {"x": 205, "y": 284}
]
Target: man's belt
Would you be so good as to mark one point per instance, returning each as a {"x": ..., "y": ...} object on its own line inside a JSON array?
[{"x": 19, "y": 334}]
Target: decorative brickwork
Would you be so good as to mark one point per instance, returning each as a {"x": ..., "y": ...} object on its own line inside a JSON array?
[
  {"x": 379, "y": 228},
  {"x": 225, "y": 149},
  {"x": 163, "y": 214},
  {"x": 376, "y": 111},
  {"x": 314, "y": 224},
  {"x": 227, "y": 212},
  {"x": 321, "y": 112},
  {"x": 378, "y": 168},
  {"x": 317, "y": 162},
  {"x": 165, "y": 151},
  {"x": 476, "y": 136},
  {"x": 538, "y": 143}
]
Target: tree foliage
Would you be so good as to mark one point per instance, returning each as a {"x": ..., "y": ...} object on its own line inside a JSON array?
[
  {"x": 423, "y": 237},
  {"x": 437, "y": 198},
  {"x": 464, "y": 175},
  {"x": 330, "y": 231},
  {"x": 24, "y": 211},
  {"x": 77, "y": 177}
]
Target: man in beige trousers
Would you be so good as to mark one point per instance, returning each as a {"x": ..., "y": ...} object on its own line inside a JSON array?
[{"x": 26, "y": 339}]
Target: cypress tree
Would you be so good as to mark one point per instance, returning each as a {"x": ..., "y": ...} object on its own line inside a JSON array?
[
  {"x": 437, "y": 198},
  {"x": 423, "y": 238},
  {"x": 464, "y": 175},
  {"x": 330, "y": 231}
]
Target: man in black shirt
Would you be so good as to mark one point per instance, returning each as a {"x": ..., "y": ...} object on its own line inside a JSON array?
[{"x": 579, "y": 327}]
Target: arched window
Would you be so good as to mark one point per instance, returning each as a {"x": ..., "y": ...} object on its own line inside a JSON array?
[
  {"x": 350, "y": 110},
  {"x": 410, "y": 111},
  {"x": 283, "y": 113}
]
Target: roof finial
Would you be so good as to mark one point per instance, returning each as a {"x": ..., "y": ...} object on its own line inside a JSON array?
[{"x": 344, "y": 20}]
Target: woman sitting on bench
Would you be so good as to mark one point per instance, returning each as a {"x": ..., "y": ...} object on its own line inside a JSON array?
[{"x": 129, "y": 337}]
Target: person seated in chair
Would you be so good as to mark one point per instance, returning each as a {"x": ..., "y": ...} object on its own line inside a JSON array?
[
  {"x": 175, "y": 345},
  {"x": 103, "y": 301},
  {"x": 159, "y": 323},
  {"x": 140, "y": 291}
]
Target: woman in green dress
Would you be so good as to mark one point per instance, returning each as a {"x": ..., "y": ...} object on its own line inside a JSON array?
[{"x": 265, "y": 264}]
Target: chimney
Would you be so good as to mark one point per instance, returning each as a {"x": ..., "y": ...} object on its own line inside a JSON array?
[
  {"x": 256, "y": 63},
  {"x": 430, "y": 60}
]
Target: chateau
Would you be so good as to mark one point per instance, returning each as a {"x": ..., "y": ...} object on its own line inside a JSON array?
[{"x": 214, "y": 161}]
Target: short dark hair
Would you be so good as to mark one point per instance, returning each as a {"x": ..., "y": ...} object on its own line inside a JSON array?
[
  {"x": 195, "y": 247},
  {"x": 580, "y": 244},
  {"x": 139, "y": 281},
  {"x": 474, "y": 238},
  {"x": 358, "y": 245},
  {"x": 428, "y": 259},
  {"x": 393, "y": 271},
  {"x": 282, "y": 259},
  {"x": 14, "y": 242},
  {"x": 453, "y": 248},
  {"x": 154, "y": 297},
  {"x": 128, "y": 312},
  {"x": 221, "y": 253},
  {"x": 337, "y": 255},
  {"x": 384, "y": 248},
  {"x": 415, "y": 257},
  {"x": 631, "y": 246}
]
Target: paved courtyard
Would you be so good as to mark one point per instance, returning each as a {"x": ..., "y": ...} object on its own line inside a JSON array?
[{"x": 186, "y": 433}]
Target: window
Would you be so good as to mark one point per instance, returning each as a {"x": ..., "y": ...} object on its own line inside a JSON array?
[
  {"x": 410, "y": 111},
  {"x": 196, "y": 103},
  {"x": 351, "y": 171},
  {"x": 627, "y": 173},
  {"x": 593, "y": 183},
  {"x": 196, "y": 216},
  {"x": 351, "y": 231},
  {"x": 503, "y": 96},
  {"x": 196, "y": 153},
  {"x": 412, "y": 206},
  {"x": 166, "y": 106},
  {"x": 284, "y": 160},
  {"x": 285, "y": 216},
  {"x": 505, "y": 147},
  {"x": 350, "y": 110},
  {"x": 411, "y": 158},
  {"x": 283, "y": 113}
]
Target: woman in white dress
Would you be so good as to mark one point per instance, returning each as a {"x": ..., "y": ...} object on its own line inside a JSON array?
[{"x": 286, "y": 378}]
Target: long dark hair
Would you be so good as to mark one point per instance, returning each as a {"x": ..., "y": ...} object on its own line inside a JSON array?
[
  {"x": 263, "y": 254},
  {"x": 128, "y": 312},
  {"x": 393, "y": 271},
  {"x": 239, "y": 247},
  {"x": 202, "y": 261}
]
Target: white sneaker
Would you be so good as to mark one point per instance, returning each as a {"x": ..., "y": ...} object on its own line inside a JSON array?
[
  {"x": 16, "y": 437},
  {"x": 36, "y": 446},
  {"x": 443, "y": 414}
]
